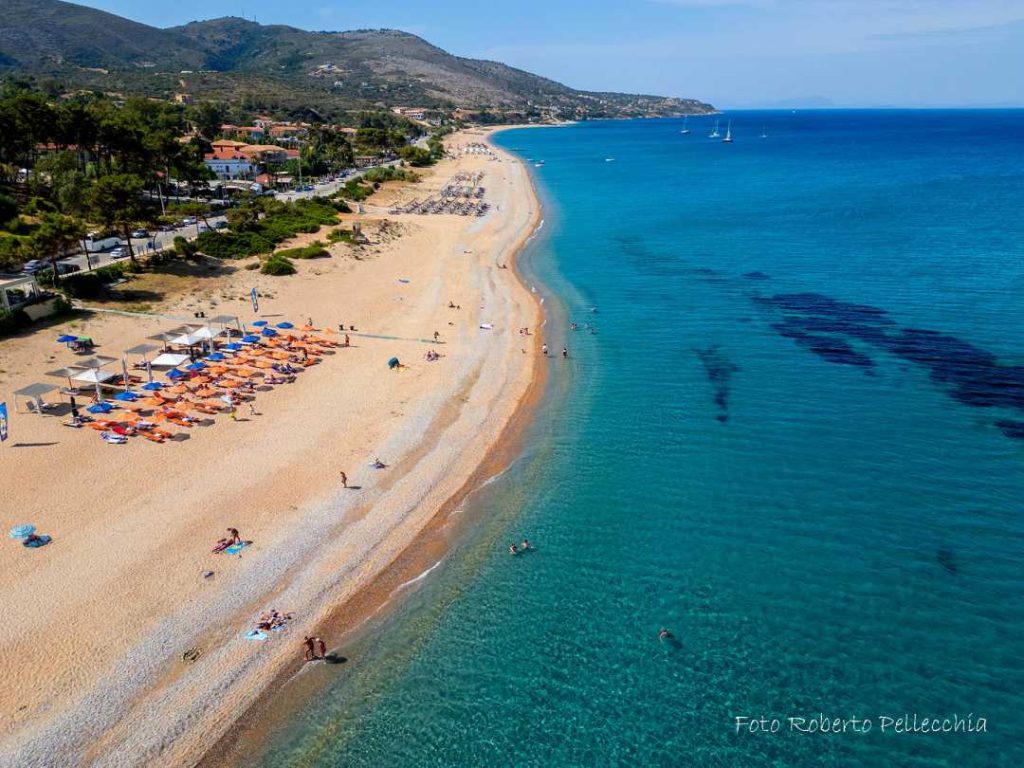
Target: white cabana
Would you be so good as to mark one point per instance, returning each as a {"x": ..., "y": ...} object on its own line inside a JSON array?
[
  {"x": 168, "y": 360},
  {"x": 188, "y": 339},
  {"x": 94, "y": 376},
  {"x": 207, "y": 333}
]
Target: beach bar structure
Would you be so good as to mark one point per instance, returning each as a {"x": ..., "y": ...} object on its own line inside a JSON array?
[{"x": 18, "y": 290}]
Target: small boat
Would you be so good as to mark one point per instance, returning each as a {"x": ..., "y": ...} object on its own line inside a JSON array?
[
  {"x": 539, "y": 164},
  {"x": 609, "y": 159},
  {"x": 728, "y": 134},
  {"x": 686, "y": 128},
  {"x": 714, "y": 134},
  {"x": 764, "y": 133}
]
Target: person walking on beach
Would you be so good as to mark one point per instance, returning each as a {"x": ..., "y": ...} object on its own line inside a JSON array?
[
  {"x": 323, "y": 647},
  {"x": 252, "y": 409},
  {"x": 344, "y": 480},
  {"x": 544, "y": 349},
  {"x": 310, "y": 644},
  {"x": 436, "y": 336},
  {"x": 565, "y": 352},
  {"x": 346, "y": 340},
  {"x": 233, "y": 413}
]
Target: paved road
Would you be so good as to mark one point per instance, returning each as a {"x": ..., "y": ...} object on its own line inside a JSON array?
[{"x": 164, "y": 240}]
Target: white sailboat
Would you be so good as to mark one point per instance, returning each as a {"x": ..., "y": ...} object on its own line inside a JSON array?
[
  {"x": 685, "y": 127},
  {"x": 714, "y": 134},
  {"x": 728, "y": 134}
]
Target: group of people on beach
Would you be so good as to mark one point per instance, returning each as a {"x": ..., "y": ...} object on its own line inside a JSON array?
[{"x": 313, "y": 644}]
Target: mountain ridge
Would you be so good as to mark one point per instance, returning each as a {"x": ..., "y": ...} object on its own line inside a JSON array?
[{"x": 234, "y": 59}]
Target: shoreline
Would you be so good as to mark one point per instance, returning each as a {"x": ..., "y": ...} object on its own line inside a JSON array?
[
  {"x": 333, "y": 557},
  {"x": 382, "y": 595}
]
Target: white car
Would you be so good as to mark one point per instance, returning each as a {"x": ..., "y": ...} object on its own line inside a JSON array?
[
  {"x": 140, "y": 234},
  {"x": 31, "y": 267},
  {"x": 118, "y": 253}
]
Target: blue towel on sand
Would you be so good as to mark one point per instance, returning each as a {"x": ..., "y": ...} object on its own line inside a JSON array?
[{"x": 234, "y": 548}]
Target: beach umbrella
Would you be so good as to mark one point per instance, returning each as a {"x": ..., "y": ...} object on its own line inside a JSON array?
[
  {"x": 22, "y": 531},
  {"x": 153, "y": 402},
  {"x": 234, "y": 346},
  {"x": 180, "y": 389},
  {"x": 215, "y": 356},
  {"x": 66, "y": 338},
  {"x": 196, "y": 366},
  {"x": 306, "y": 328},
  {"x": 174, "y": 373},
  {"x": 268, "y": 332},
  {"x": 100, "y": 408},
  {"x": 153, "y": 386},
  {"x": 393, "y": 362},
  {"x": 250, "y": 339},
  {"x": 126, "y": 397},
  {"x": 260, "y": 323},
  {"x": 285, "y": 326}
]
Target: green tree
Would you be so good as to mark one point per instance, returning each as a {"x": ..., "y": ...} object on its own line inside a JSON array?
[
  {"x": 56, "y": 234},
  {"x": 116, "y": 200}
]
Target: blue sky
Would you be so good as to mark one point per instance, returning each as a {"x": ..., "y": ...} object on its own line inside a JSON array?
[{"x": 733, "y": 53}]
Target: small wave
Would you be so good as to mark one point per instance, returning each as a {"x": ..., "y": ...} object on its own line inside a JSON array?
[{"x": 405, "y": 585}]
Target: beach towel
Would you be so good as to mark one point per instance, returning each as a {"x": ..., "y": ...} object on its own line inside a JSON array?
[
  {"x": 487, "y": 326},
  {"x": 38, "y": 541},
  {"x": 255, "y": 634},
  {"x": 235, "y": 548}
]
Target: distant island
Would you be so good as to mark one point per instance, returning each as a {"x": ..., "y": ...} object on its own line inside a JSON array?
[{"x": 287, "y": 71}]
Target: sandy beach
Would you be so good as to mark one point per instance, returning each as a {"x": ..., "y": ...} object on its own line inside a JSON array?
[{"x": 98, "y": 621}]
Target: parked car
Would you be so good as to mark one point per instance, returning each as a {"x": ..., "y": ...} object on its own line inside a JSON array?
[
  {"x": 167, "y": 227},
  {"x": 188, "y": 221},
  {"x": 141, "y": 234},
  {"x": 221, "y": 225},
  {"x": 66, "y": 268},
  {"x": 31, "y": 267},
  {"x": 118, "y": 253}
]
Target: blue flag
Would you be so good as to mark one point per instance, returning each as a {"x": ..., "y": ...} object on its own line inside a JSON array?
[
  {"x": 255, "y": 302},
  {"x": 3, "y": 422}
]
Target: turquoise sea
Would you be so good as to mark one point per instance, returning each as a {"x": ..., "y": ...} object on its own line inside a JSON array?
[{"x": 792, "y": 433}]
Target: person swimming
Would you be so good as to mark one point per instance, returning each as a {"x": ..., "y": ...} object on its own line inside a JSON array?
[
  {"x": 665, "y": 634},
  {"x": 513, "y": 550},
  {"x": 525, "y": 545}
]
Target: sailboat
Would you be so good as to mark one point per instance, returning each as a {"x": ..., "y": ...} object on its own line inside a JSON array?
[
  {"x": 764, "y": 133},
  {"x": 685, "y": 128},
  {"x": 714, "y": 134},
  {"x": 728, "y": 134}
]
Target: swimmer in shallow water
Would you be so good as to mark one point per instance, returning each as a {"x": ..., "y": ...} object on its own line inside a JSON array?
[
  {"x": 513, "y": 550},
  {"x": 664, "y": 634}
]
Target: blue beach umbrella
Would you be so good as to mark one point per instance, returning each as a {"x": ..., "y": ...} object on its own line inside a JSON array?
[
  {"x": 100, "y": 408},
  {"x": 285, "y": 326},
  {"x": 234, "y": 346},
  {"x": 250, "y": 339},
  {"x": 22, "y": 531},
  {"x": 66, "y": 338},
  {"x": 216, "y": 356},
  {"x": 153, "y": 386},
  {"x": 260, "y": 323},
  {"x": 198, "y": 365},
  {"x": 269, "y": 332},
  {"x": 126, "y": 397},
  {"x": 174, "y": 373}
]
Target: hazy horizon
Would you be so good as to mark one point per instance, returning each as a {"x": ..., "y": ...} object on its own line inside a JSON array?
[{"x": 732, "y": 53}]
